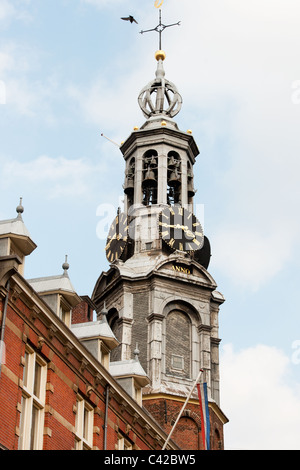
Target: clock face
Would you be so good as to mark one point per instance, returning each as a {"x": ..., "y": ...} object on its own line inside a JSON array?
[
  {"x": 180, "y": 229},
  {"x": 117, "y": 238}
]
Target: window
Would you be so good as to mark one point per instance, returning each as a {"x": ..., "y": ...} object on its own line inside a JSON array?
[
  {"x": 33, "y": 402},
  {"x": 123, "y": 444},
  {"x": 84, "y": 425},
  {"x": 64, "y": 312}
]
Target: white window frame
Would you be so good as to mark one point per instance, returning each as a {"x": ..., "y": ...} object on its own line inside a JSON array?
[
  {"x": 33, "y": 399},
  {"x": 64, "y": 311},
  {"x": 84, "y": 425},
  {"x": 123, "y": 444}
]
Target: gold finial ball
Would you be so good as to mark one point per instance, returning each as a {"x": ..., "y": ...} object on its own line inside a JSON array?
[
  {"x": 160, "y": 55},
  {"x": 189, "y": 131},
  {"x": 135, "y": 128},
  {"x": 163, "y": 123}
]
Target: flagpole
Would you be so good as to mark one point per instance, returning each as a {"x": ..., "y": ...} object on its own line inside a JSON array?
[
  {"x": 102, "y": 135},
  {"x": 178, "y": 417},
  {"x": 202, "y": 418}
]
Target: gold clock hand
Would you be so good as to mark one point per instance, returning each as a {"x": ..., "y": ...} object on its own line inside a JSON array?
[
  {"x": 164, "y": 224},
  {"x": 112, "y": 238}
]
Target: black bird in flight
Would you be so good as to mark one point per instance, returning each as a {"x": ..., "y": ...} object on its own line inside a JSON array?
[{"x": 130, "y": 18}]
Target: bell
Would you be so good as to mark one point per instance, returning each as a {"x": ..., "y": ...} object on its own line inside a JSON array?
[
  {"x": 174, "y": 179},
  {"x": 149, "y": 180},
  {"x": 191, "y": 190},
  {"x": 153, "y": 161},
  {"x": 172, "y": 162},
  {"x": 129, "y": 185}
]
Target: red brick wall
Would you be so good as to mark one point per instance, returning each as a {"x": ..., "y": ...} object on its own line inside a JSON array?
[
  {"x": 82, "y": 313},
  {"x": 187, "y": 433}
]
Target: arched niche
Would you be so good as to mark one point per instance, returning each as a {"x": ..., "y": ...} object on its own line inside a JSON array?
[
  {"x": 114, "y": 323},
  {"x": 178, "y": 344},
  {"x": 130, "y": 181},
  {"x": 180, "y": 340},
  {"x": 174, "y": 182},
  {"x": 150, "y": 177}
]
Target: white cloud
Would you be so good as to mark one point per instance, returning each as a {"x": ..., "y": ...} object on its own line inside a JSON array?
[
  {"x": 25, "y": 94},
  {"x": 111, "y": 107},
  {"x": 7, "y": 62},
  {"x": 248, "y": 257},
  {"x": 262, "y": 407},
  {"x": 56, "y": 176},
  {"x": 6, "y": 10},
  {"x": 10, "y": 11},
  {"x": 33, "y": 98}
]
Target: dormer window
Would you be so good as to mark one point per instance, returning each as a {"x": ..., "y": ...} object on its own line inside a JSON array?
[
  {"x": 58, "y": 293},
  {"x": 64, "y": 312}
]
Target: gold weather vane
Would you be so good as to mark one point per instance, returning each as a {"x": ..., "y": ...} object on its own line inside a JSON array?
[
  {"x": 157, "y": 4},
  {"x": 160, "y": 27}
]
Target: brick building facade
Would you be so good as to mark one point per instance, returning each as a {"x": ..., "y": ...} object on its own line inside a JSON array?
[{"x": 54, "y": 394}]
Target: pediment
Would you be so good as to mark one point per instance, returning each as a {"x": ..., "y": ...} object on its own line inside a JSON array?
[
  {"x": 104, "y": 280},
  {"x": 186, "y": 269}
]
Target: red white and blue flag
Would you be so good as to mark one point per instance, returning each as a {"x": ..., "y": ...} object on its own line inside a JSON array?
[{"x": 204, "y": 410}]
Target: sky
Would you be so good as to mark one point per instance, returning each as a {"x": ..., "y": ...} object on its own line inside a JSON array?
[{"x": 71, "y": 70}]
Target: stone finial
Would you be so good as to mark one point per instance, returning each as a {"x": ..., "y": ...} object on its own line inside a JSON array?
[
  {"x": 20, "y": 209},
  {"x": 66, "y": 266},
  {"x": 136, "y": 352}
]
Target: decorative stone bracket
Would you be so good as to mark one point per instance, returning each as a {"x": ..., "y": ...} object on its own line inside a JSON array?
[{"x": 8, "y": 267}]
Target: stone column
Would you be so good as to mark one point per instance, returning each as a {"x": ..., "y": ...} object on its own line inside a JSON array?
[
  {"x": 162, "y": 179},
  {"x": 138, "y": 180},
  {"x": 125, "y": 325},
  {"x": 184, "y": 196},
  {"x": 155, "y": 348},
  {"x": 205, "y": 354}
]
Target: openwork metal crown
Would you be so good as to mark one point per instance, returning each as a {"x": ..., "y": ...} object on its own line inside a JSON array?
[{"x": 160, "y": 96}]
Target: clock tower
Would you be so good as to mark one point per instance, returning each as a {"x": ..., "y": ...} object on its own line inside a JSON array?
[{"x": 158, "y": 293}]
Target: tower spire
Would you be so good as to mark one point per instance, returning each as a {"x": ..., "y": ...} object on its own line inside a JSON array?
[{"x": 158, "y": 290}]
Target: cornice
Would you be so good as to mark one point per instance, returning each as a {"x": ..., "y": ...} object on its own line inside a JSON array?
[
  {"x": 174, "y": 137},
  {"x": 153, "y": 276}
]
